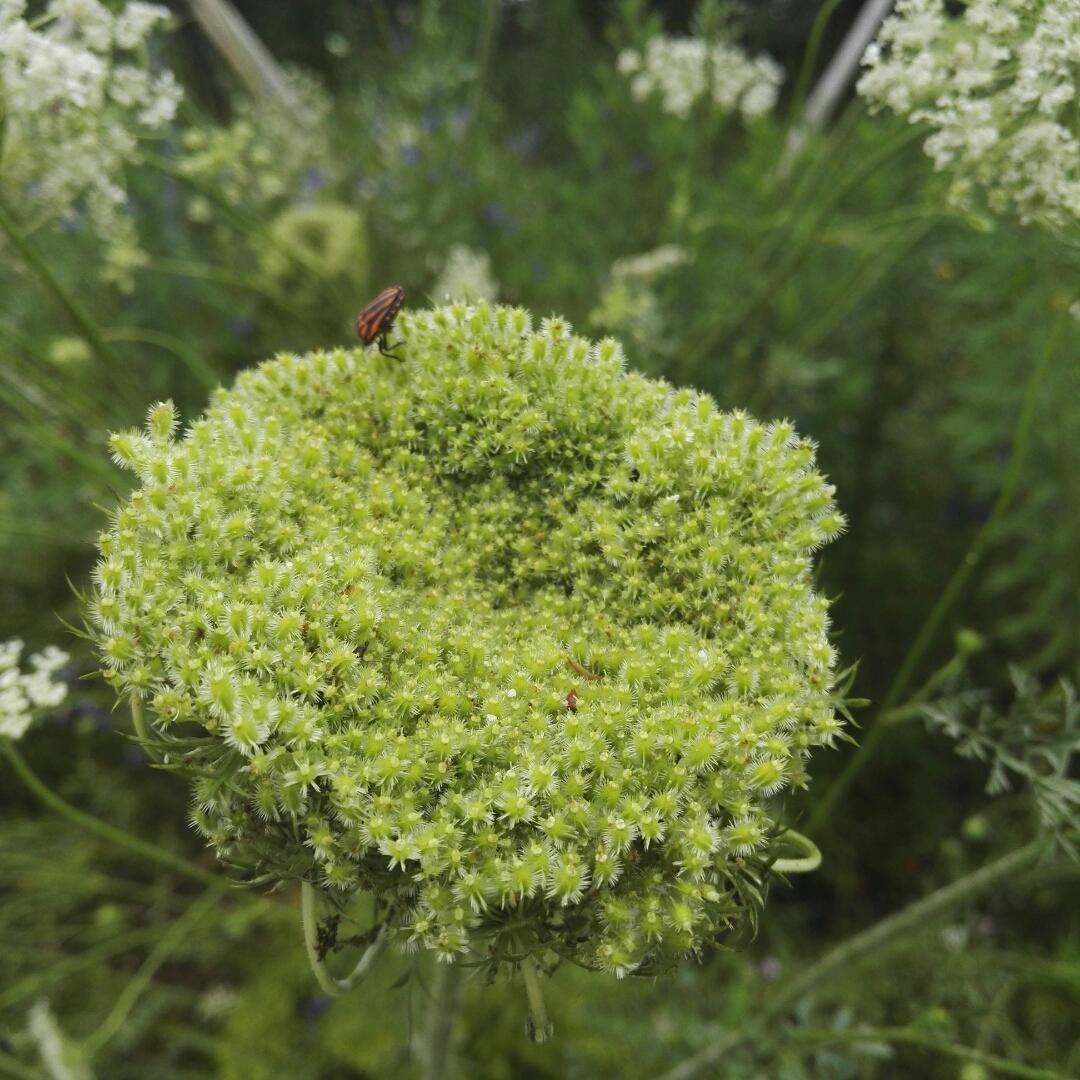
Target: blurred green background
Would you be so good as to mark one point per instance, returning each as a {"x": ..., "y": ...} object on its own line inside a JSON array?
[{"x": 494, "y": 147}]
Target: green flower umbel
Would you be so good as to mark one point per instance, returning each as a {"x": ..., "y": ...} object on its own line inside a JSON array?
[{"x": 515, "y": 639}]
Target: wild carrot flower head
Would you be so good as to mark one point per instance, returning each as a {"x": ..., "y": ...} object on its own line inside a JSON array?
[
  {"x": 684, "y": 71},
  {"x": 997, "y": 86},
  {"x": 518, "y": 640},
  {"x": 77, "y": 92}
]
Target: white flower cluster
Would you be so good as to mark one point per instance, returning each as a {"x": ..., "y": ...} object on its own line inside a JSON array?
[
  {"x": 466, "y": 275},
  {"x": 684, "y": 70},
  {"x": 264, "y": 158},
  {"x": 998, "y": 85},
  {"x": 22, "y": 692},
  {"x": 629, "y": 304},
  {"x": 76, "y": 93},
  {"x": 650, "y": 264}
]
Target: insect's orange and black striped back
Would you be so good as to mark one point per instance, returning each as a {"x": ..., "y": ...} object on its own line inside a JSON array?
[{"x": 377, "y": 316}]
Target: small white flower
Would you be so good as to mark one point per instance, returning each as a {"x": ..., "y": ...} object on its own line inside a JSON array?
[
  {"x": 10, "y": 651},
  {"x": 136, "y": 21},
  {"x": 88, "y": 21},
  {"x": 466, "y": 275},
  {"x": 629, "y": 62},
  {"x": 682, "y": 71},
  {"x": 650, "y": 264},
  {"x": 21, "y": 693}
]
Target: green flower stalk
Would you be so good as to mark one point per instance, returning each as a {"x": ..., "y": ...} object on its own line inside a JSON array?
[{"x": 518, "y": 641}]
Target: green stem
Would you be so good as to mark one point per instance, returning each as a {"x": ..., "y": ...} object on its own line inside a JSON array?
[
  {"x": 129, "y": 996},
  {"x": 876, "y": 938},
  {"x": 489, "y": 18},
  {"x": 867, "y": 276},
  {"x": 804, "y": 864},
  {"x": 180, "y": 349},
  {"x": 17, "y": 400},
  {"x": 76, "y": 312},
  {"x": 310, "y": 921},
  {"x": 440, "y": 1020},
  {"x": 244, "y": 222},
  {"x": 538, "y": 1027},
  {"x": 137, "y": 719},
  {"x": 10, "y": 1067},
  {"x": 43, "y": 375},
  {"x": 912, "y": 708},
  {"x": 112, "y": 834},
  {"x": 801, "y": 244},
  {"x": 951, "y": 593},
  {"x": 33, "y": 984},
  {"x": 906, "y": 1036},
  {"x": 809, "y": 62},
  {"x": 909, "y": 920},
  {"x": 204, "y": 272}
]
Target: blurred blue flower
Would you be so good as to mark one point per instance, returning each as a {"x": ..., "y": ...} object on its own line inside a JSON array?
[
  {"x": 315, "y": 179},
  {"x": 242, "y": 326},
  {"x": 135, "y": 757},
  {"x": 84, "y": 714},
  {"x": 314, "y": 1008},
  {"x": 409, "y": 155},
  {"x": 527, "y": 142},
  {"x": 496, "y": 214},
  {"x": 460, "y": 119}
]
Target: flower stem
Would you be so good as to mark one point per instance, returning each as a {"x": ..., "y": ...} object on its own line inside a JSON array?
[
  {"x": 118, "y": 837},
  {"x": 172, "y": 939},
  {"x": 243, "y": 221},
  {"x": 809, "y": 61},
  {"x": 538, "y": 1027},
  {"x": 440, "y": 1021},
  {"x": 910, "y": 919},
  {"x": 137, "y": 720},
  {"x": 906, "y": 1036},
  {"x": 76, "y": 312},
  {"x": 309, "y": 919},
  {"x": 874, "y": 939},
  {"x": 804, "y": 864},
  {"x": 951, "y": 593},
  {"x": 488, "y": 19},
  {"x": 798, "y": 245},
  {"x": 179, "y": 348}
]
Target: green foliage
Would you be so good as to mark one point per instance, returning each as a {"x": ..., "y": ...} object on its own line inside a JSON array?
[
  {"x": 832, "y": 285},
  {"x": 1034, "y": 741}
]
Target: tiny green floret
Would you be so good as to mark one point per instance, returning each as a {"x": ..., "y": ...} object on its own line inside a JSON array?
[{"x": 519, "y": 641}]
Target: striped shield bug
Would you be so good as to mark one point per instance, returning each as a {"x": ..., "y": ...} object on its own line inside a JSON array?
[{"x": 377, "y": 316}]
